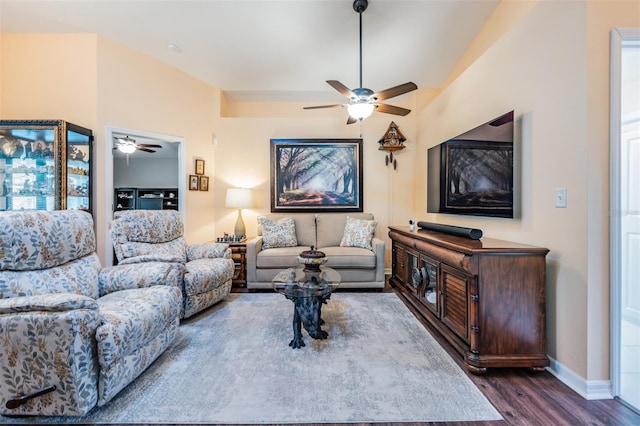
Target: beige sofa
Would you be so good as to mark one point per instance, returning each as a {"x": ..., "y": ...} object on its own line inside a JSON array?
[{"x": 358, "y": 267}]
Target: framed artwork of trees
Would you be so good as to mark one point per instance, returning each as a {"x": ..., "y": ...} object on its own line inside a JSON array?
[
  {"x": 316, "y": 175},
  {"x": 478, "y": 177}
]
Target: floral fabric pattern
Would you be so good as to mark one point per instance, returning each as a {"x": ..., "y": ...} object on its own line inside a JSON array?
[
  {"x": 208, "y": 251},
  {"x": 79, "y": 276},
  {"x": 206, "y": 267},
  {"x": 129, "y": 319},
  {"x": 125, "y": 277},
  {"x": 35, "y": 350},
  {"x": 54, "y": 327},
  {"x": 33, "y": 240},
  {"x": 278, "y": 233},
  {"x": 148, "y": 226},
  {"x": 358, "y": 233}
]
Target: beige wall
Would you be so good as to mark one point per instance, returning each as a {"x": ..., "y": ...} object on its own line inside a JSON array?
[
  {"x": 50, "y": 76},
  {"x": 552, "y": 69},
  {"x": 138, "y": 92},
  {"x": 602, "y": 16},
  {"x": 243, "y": 159},
  {"x": 550, "y": 65}
]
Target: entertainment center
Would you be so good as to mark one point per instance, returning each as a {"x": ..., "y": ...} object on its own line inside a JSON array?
[{"x": 485, "y": 296}]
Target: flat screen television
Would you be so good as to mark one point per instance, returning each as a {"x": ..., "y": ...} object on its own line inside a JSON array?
[{"x": 473, "y": 173}]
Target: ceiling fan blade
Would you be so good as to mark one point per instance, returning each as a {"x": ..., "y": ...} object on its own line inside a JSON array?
[
  {"x": 323, "y": 106},
  {"x": 344, "y": 90},
  {"x": 395, "y": 91},
  {"x": 390, "y": 109},
  {"x": 146, "y": 145},
  {"x": 144, "y": 149},
  {"x": 351, "y": 120}
]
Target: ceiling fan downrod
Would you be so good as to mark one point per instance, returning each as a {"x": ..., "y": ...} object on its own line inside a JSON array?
[{"x": 360, "y": 6}]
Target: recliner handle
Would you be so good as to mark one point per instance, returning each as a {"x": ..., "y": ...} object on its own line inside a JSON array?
[{"x": 17, "y": 401}]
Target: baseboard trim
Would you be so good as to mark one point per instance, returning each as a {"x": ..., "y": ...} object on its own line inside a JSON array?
[{"x": 588, "y": 389}]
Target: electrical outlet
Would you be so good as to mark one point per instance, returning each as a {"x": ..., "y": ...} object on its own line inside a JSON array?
[{"x": 561, "y": 197}]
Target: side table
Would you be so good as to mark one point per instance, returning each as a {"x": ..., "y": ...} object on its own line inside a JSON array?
[{"x": 239, "y": 256}]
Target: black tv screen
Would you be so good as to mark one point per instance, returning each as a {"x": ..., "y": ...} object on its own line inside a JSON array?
[{"x": 472, "y": 174}]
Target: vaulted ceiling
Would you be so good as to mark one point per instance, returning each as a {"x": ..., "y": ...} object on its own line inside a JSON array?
[{"x": 274, "y": 49}]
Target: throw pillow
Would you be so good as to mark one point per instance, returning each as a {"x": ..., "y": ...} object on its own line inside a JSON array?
[
  {"x": 358, "y": 233},
  {"x": 278, "y": 233}
]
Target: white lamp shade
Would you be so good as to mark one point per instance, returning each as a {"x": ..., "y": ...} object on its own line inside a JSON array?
[
  {"x": 240, "y": 198},
  {"x": 360, "y": 111}
]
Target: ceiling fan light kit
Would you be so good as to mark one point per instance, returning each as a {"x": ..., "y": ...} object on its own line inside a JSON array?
[
  {"x": 363, "y": 101},
  {"x": 360, "y": 111},
  {"x": 126, "y": 145}
]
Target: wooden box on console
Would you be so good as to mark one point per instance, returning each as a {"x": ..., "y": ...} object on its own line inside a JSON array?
[{"x": 486, "y": 297}]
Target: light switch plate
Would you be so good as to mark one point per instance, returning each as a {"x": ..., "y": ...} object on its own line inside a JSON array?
[{"x": 561, "y": 197}]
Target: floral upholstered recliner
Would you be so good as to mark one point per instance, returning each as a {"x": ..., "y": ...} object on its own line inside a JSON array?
[
  {"x": 157, "y": 235},
  {"x": 73, "y": 334}
]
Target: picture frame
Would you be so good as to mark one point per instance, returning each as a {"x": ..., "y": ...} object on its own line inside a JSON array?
[
  {"x": 204, "y": 183},
  {"x": 193, "y": 182},
  {"x": 316, "y": 175},
  {"x": 199, "y": 167}
]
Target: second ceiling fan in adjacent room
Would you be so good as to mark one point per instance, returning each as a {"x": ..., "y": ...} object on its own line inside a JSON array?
[{"x": 128, "y": 145}]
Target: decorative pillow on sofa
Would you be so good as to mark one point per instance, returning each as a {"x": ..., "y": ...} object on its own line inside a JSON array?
[
  {"x": 278, "y": 233},
  {"x": 358, "y": 233}
]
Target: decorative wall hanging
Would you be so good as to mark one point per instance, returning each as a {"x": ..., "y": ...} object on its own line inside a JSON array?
[
  {"x": 316, "y": 175},
  {"x": 392, "y": 140},
  {"x": 199, "y": 167},
  {"x": 204, "y": 183},
  {"x": 194, "y": 182}
]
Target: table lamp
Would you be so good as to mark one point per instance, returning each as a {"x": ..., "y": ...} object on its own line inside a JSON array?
[{"x": 239, "y": 198}]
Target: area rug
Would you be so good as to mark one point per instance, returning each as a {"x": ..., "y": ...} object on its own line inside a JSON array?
[{"x": 233, "y": 364}]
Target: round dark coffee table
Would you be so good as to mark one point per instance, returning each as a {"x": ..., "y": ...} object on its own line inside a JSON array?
[{"x": 308, "y": 290}]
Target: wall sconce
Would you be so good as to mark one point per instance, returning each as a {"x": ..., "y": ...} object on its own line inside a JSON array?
[{"x": 239, "y": 198}]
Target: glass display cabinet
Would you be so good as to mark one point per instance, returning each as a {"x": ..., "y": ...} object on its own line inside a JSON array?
[{"x": 45, "y": 165}]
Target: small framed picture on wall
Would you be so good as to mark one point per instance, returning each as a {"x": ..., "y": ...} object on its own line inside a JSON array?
[
  {"x": 199, "y": 167},
  {"x": 204, "y": 183},
  {"x": 193, "y": 182}
]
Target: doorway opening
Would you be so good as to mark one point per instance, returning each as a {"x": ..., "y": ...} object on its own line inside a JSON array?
[
  {"x": 149, "y": 171},
  {"x": 625, "y": 215}
]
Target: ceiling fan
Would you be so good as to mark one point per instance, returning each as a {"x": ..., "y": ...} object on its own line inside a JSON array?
[
  {"x": 363, "y": 101},
  {"x": 128, "y": 145}
]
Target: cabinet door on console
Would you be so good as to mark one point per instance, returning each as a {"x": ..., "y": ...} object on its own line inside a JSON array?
[
  {"x": 430, "y": 290},
  {"x": 414, "y": 281},
  {"x": 455, "y": 300},
  {"x": 399, "y": 267}
]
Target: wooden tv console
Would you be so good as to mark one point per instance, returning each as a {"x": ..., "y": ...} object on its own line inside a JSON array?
[{"x": 486, "y": 297}]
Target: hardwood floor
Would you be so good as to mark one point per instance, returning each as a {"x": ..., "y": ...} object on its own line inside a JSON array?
[{"x": 524, "y": 397}]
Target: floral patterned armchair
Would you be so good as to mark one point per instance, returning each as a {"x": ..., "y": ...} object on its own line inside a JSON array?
[
  {"x": 73, "y": 334},
  {"x": 157, "y": 236}
]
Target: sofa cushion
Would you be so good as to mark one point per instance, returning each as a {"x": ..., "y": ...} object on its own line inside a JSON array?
[
  {"x": 305, "y": 227},
  {"x": 285, "y": 257},
  {"x": 349, "y": 257},
  {"x": 358, "y": 233},
  {"x": 278, "y": 233},
  {"x": 330, "y": 227}
]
